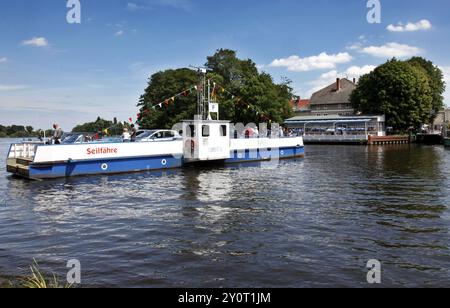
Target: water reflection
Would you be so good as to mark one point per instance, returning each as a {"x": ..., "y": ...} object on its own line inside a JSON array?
[{"x": 308, "y": 222}]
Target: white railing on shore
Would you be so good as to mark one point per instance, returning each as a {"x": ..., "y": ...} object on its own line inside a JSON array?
[
  {"x": 335, "y": 138},
  {"x": 23, "y": 150}
]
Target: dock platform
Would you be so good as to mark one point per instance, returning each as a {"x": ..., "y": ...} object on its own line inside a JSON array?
[{"x": 385, "y": 140}]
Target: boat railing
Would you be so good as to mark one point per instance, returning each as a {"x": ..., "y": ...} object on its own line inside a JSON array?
[{"x": 23, "y": 150}]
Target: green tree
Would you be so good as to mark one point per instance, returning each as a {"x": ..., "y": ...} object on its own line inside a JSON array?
[
  {"x": 244, "y": 84},
  {"x": 3, "y": 131},
  {"x": 162, "y": 86},
  {"x": 399, "y": 90},
  {"x": 242, "y": 78},
  {"x": 435, "y": 81},
  {"x": 98, "y": 126},
  {"x": 16, "y": 131}
]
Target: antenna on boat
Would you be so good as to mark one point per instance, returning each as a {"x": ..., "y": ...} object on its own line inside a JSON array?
[{"x": 202, "y": 91}]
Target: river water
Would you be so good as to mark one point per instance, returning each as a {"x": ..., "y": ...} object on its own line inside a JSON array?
[{"x": 312, "y": 222}]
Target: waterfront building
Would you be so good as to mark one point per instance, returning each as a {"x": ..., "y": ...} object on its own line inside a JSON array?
[
  {"x": 335, "y": 128},
  {"x": 442, "y": 120},
  {"x": 334, "y": 99},
  {"x": 301, "y": 106},
  {"x": 329, "y": 117}
]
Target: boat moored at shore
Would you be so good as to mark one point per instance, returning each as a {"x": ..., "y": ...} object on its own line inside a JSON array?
[
  {"x": 199, "y": 140},
  {"x": 37, "y": 162}
]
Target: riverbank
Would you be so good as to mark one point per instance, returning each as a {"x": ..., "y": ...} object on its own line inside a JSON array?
[{"x": 8, "y": 282}]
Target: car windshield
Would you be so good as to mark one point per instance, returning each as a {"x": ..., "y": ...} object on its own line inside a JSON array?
[
  {"x": 73, "y": 138},
  {"x": 145, "y": 134}
]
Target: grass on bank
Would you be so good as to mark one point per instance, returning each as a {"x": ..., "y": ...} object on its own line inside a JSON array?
[{"x": 36, "y": 279}]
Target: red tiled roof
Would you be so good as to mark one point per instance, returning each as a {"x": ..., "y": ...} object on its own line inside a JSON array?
[{"x": 300, "y": 103}]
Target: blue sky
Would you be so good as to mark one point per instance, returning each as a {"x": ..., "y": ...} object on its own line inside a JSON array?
[{"x": 53, "y": 71}]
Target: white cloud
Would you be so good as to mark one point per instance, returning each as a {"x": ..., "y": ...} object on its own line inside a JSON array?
[
  {"x": 328, "y": 78},
  {"x": 411, "y": 27},
  {"x": 322, "y": 61},
  {"x": 119, "y": 33},
  {"x": 133, "y": 7},
  {"x": 178, "y": 4},
  {"x": 36, "y": 42},
  {"x": 358, "y": 71},
  {"x": 356, "y": 46},
  {"x": 446, "y": 72},
  {"x": 391, "y": 50},
  {"x": 3, "y": 60},
  {"x": 5, "y": 87}
]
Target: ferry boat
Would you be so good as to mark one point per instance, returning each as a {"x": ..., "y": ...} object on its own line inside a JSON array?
[{"x": 201, "y": 140}]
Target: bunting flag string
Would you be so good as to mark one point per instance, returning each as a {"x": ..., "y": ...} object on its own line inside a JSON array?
[
  {"x": 217, "y": 88},
  {"x": 167, "y": 102},
  {"x": 240, "y": 102}
]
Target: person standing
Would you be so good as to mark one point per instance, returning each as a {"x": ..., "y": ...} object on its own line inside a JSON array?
[
  {"x": 57, "y": 134},
  {"x": 126, "y": 135},
  {"x": 133, "y": 133}
]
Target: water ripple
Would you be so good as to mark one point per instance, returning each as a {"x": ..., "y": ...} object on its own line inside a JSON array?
[{"x": 309, "y": 222}]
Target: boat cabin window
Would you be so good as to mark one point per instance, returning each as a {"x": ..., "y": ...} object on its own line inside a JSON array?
[
  {"x": 190, "y": 131},
  {"x": 223, "y": 130},
  {"x": 205, "y": 131}
]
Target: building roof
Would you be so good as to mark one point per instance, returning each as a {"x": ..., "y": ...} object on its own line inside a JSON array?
[
  {"x": 330, "y": 94},
  {"x": 300, "y": 104},
  {"x": 333, "y": 118},
  {"x": 303, "y": 103}
]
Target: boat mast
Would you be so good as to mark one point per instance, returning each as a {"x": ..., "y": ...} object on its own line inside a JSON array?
[
  {"x": 204, "y": 98},
  {"x": 201, "y": 93},
  {"x": 209, "y": 99}
]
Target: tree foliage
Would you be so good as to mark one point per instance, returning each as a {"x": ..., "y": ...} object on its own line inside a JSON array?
[
  {"x": 240, "y": 77},
  {"x": 398, "y": 89},
  {"x": 435, "y": 81},
  {"x": 17, "y": 131},
  {"x": 100, "y": 125},
  {"x": 164, "y": 85}
]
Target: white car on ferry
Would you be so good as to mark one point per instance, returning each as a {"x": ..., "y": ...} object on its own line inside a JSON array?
[{"x": 157, "y": 135}]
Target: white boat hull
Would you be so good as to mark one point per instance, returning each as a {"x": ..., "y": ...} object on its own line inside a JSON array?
[{"x": 57, "y": 161}]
